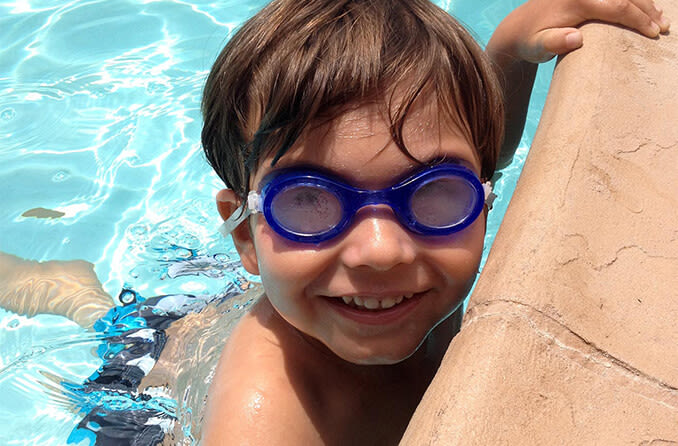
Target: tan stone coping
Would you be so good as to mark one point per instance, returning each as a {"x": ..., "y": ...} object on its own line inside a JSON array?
[{"x": 572, "y": 332}]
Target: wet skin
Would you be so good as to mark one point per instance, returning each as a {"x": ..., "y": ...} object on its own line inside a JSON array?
[{"x": 303, "y": 365}]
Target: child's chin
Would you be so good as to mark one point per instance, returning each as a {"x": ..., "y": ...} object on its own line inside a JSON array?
[
  {"x": 375, "y": 358},
  {"x": 380, "y": 361}
]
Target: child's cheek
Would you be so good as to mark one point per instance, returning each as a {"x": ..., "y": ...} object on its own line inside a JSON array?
[
  {"x": 461, "y": 258},
  {"x": 285, "y": 265}
]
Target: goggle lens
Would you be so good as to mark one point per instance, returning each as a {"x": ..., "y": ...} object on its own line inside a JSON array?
[
  {"x": 306, "y": 209},
  {"x": 443, "y": 202}
]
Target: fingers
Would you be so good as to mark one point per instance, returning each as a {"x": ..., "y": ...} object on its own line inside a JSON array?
[
  {"x": 561, "y": 40},
  {"x": 655, "y": 13},
  {"x": 641, "y": 15},
  {"x": 551, "y": 42}
]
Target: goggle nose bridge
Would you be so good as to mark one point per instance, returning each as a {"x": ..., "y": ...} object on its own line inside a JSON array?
[{"x": 373, "y": 198}]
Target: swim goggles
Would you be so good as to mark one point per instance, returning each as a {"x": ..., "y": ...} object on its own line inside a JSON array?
[{"x": 308, "y": 206}]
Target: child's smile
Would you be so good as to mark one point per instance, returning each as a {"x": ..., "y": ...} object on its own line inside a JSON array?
[
  {"x": 373, "y": 293},
  {"x": 376, "y": 310}
]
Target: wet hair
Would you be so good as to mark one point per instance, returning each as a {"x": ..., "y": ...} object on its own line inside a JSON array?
[{"x": 300, "y": 61}]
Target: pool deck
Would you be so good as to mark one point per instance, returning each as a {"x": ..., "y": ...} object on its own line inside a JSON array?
[{"x": 571, "y": 336}]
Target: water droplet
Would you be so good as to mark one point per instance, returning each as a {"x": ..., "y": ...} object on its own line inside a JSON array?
[
  {"x": 159, "y": 243},
  {"x": 189, "y": 241},
  {"x": 139, "y": 234},
  {"x": 60, "y": 176},
  {"x": 7, "y": 114},
  {"x": 183, "y": 253}
]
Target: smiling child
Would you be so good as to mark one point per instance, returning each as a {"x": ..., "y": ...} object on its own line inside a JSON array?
[{"x": 356, "y": 140}]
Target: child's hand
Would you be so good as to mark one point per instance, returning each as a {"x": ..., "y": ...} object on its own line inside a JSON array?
[{"x": 538, "y": 30}]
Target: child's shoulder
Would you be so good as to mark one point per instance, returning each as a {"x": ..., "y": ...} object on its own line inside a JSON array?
[{"x": 253, "y": 397}]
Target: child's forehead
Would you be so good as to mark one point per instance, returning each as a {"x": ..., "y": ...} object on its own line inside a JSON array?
[{"x": 357, "y": 144}]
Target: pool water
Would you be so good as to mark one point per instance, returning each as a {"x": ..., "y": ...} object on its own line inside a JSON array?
[{"x": 100, "y": 122}]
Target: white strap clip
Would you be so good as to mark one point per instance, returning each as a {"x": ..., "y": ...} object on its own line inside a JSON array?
[{"x": 489, "y": 195}]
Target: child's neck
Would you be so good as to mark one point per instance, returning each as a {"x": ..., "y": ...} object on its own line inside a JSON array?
[
  {"x": 373, "y": 404},
  {"x": 421, "y": 366}
]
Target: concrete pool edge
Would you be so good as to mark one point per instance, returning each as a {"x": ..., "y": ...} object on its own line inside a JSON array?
[{"x": 570, "y": 336}]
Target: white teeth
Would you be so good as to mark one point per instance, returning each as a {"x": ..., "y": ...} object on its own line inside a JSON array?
[
  {"x": 372, "y": 303},
  {"x": 389, "y": 302}
]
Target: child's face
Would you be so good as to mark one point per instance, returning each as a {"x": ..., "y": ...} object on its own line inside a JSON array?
[{"x": 376, "y": 257}]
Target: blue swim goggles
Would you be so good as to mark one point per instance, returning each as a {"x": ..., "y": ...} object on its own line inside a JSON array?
[{"x": 308, "y": 206}]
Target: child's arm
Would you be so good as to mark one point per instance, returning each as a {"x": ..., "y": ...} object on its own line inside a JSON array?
[
  {"x": 67, "y": 288},
  {"x": 537, "y": 31}
]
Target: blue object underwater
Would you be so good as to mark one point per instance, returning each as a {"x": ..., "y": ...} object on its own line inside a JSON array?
[{"x": 115, "y": 412}]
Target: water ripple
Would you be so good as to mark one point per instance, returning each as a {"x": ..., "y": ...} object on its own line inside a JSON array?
[{"x": 36, "y": 356}]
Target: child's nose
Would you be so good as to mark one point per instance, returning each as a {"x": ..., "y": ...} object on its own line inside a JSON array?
[{"x": 377, "y": 240}]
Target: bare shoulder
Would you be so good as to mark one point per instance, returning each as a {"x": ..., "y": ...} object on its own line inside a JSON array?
[{"x": 252, "y": 399}]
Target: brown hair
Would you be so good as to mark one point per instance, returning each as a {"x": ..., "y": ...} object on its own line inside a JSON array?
[{"x": 297, "y": 61}]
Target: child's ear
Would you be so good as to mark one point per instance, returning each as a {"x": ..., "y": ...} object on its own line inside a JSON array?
[{"x": 228, "y": 203}]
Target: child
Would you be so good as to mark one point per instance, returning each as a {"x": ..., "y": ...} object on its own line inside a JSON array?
[{"x": 355, "y": 138}]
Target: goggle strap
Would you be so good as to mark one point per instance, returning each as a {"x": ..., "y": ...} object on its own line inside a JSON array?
[
  {"x": 229, "y": 225},
  {"x": 253, "y": 205}
]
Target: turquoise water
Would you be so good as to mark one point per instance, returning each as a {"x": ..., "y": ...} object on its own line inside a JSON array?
[{"x": 99, "y": 120}]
